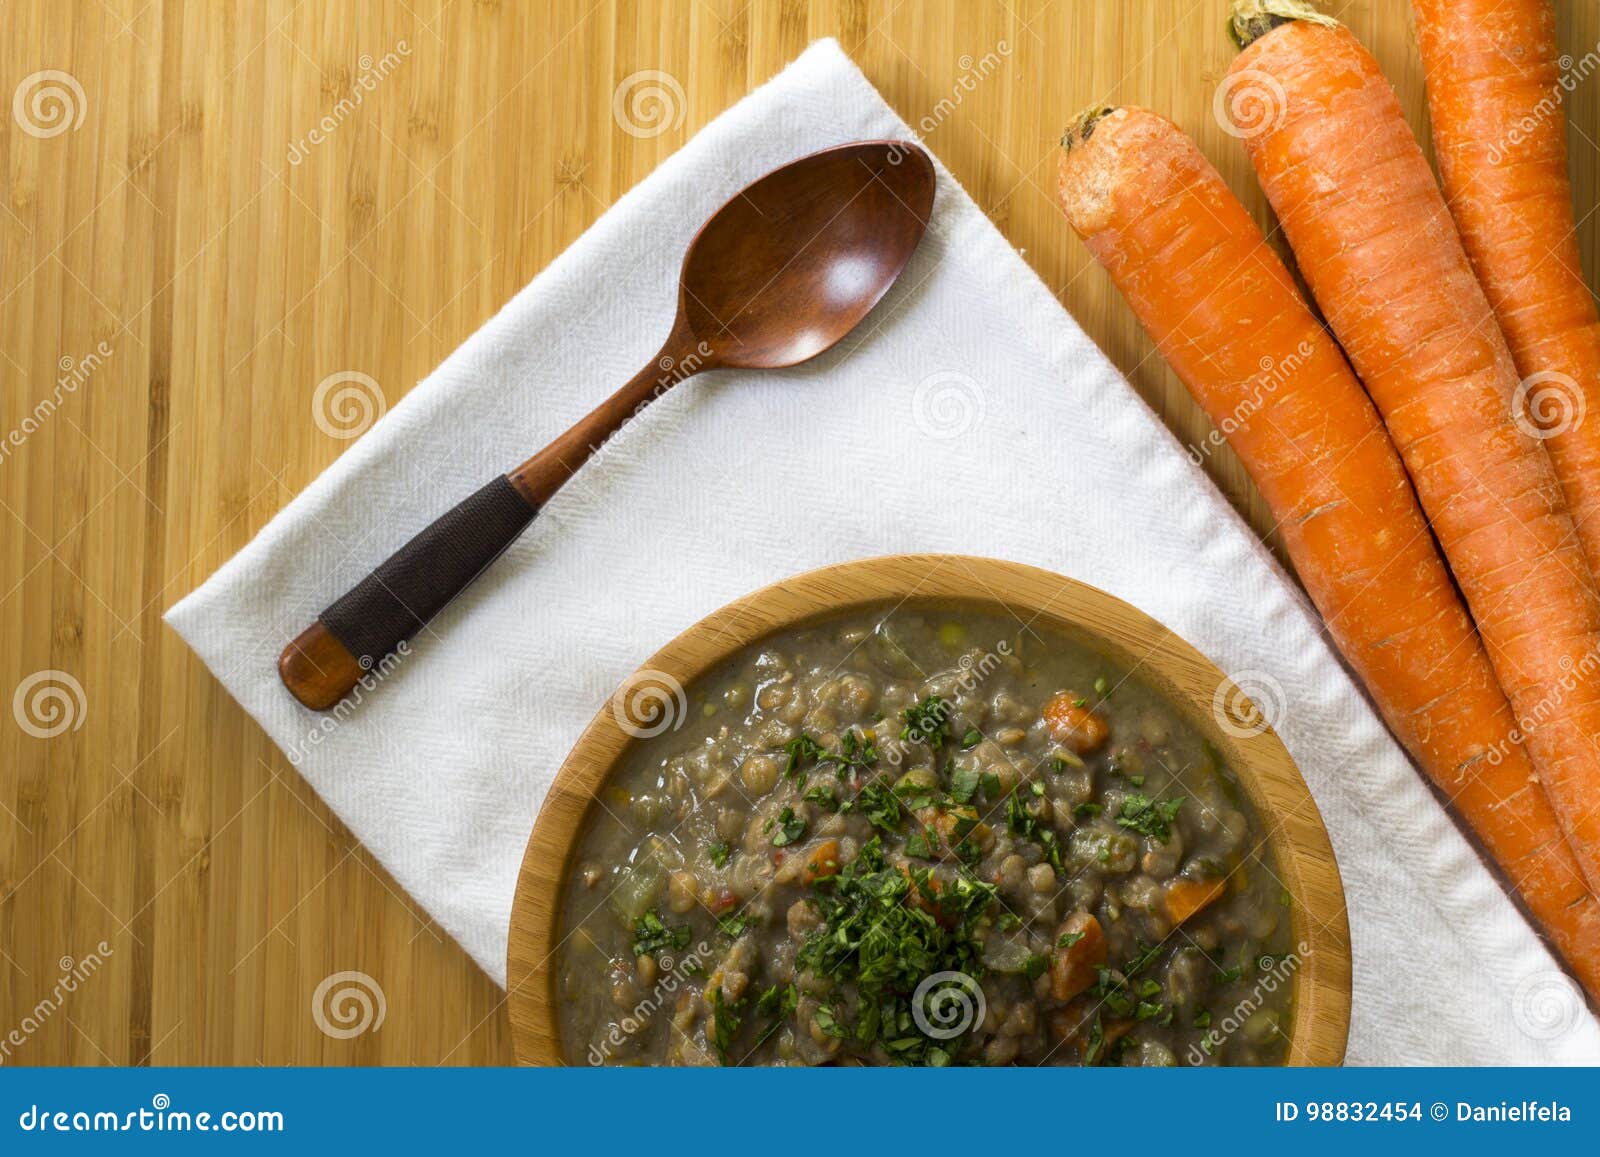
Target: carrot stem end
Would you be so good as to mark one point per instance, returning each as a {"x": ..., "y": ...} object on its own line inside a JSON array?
[
  {"x": 1253, "y": 19},
  {"x": 1082, "y": 126}
]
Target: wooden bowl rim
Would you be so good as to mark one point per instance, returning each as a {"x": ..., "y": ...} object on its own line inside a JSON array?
[{"x": 1164, "y": 660}]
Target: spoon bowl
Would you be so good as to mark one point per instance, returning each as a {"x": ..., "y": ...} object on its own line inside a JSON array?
[{"x": 795, "y": 260}]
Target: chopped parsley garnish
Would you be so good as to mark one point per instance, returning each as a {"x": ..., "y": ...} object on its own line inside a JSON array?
[
  {"x": 1024, "y": 825},
  {"x": 971, "y": 739},
  {"x": 963, "y": 784},
  {"x": 790, "y": 828},
  {"x": 1123, "y": 993},
  {"x": 719, "y": 853},
  {"x": 801, "y": 750},
  {"x": 1033, "y": 967},
  {"x": 1150, "y": 817},
  {"x": 884, "y": 931},
  {"x": 914, "y": 793},
  {"x": 855, "y": 751},
  {"x": 1147, "y": 955},
  {"x": 1087, "y": 809},
  {"x": 879, "y": 804},
  {"x": 650, "y": 935},
  {"x": 1202, "y": 1019},
  {"x": 1068, "y": 939},
  {"x": 1051, "y": 845},
  {"x": 734, "y": 926},
  {"x": 823, "y": 797},
  {"x": 778, "y": 1000},
  {"x": 828, "y": 1023},
  {"x": 922, "y": 844},
  {"x": 1018, "y": 819},
  {"x": 777, "y": 1003},
  {"x": 1097, "y": 1041},
  {"x": 926, "y": 721},
  {"x": 725, "y": 1021}
]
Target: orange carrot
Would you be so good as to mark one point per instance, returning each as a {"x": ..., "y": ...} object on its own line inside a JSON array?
[
  {"x": 1225, "y": 312},
  {"x": 1074, "y": 724},
  {"x": 1186, "y": 897},
  {"x": 1495, "y": 93},
  {"x": 1377, "y": 246},
  {"x": 822, "y": 862},
  {"x": 1079, "y": 953}
]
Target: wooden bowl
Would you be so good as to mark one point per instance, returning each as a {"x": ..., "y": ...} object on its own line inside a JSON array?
[{"x": 1164, "y": 661}]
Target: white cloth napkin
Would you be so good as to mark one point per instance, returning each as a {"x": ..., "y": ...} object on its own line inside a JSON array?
[{"x": 969, "y": 414}]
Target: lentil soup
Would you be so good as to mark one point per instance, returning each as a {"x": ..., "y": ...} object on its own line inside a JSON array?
[{"x": 923, "y": 834}]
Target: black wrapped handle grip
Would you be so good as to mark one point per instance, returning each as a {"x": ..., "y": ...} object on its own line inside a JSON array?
[
  {"x": 398, "y": 599},
  {"x": 418, "y": 581}
]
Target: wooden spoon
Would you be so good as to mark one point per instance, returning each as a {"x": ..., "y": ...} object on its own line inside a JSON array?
[{"x": 779, "y": 274}]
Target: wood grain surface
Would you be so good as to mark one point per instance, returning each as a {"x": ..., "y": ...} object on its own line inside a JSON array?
[{"x": 237, "y": 200}]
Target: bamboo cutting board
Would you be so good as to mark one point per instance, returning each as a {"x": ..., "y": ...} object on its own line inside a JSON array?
[{"x": 262, "y": 221}]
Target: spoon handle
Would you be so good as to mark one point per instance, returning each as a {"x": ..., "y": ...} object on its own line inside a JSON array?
[{"x": 356, "y": 633}]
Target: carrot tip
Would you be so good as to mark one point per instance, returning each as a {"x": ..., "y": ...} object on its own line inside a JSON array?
[
  {"x": 1082, "y": 126},
  {"x": 1253, "y": 19}
]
